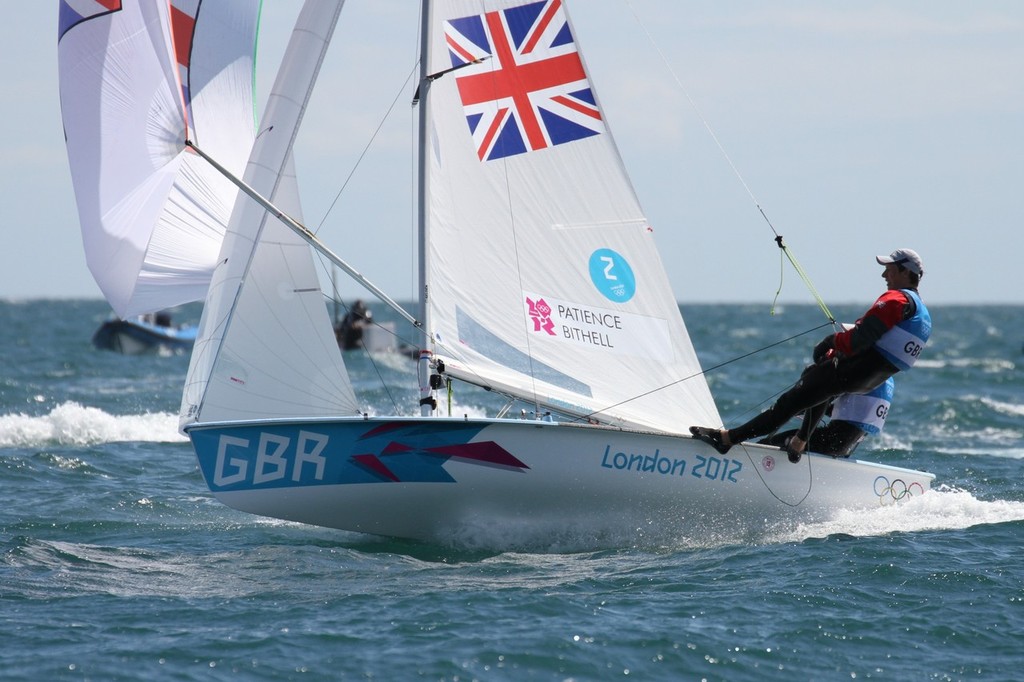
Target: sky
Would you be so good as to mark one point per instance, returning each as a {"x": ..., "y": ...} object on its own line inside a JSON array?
[{"x": 851, "y": 129}]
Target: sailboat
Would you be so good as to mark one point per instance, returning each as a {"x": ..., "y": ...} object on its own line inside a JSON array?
[
  {"x": 540, "y": 280},
  {"x": 144, "y": 334}
]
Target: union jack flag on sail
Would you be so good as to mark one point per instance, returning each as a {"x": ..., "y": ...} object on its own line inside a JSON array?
[
  {"x": 73, "y": 12},
  {"x": 530, "y": 92},
  {"x": 183, "y": 26}
]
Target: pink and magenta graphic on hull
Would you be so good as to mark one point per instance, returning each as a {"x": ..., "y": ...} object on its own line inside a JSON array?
[{"x": 487, "y": 452}]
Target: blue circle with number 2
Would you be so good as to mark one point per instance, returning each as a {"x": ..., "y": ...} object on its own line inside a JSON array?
[{"x": 612, "y": 275}]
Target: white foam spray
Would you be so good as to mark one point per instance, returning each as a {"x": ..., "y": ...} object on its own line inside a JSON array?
[{"x": 73, "y": 424}]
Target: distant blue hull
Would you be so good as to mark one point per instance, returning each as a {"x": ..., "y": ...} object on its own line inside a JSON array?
[{"x": 135, "y": 337}]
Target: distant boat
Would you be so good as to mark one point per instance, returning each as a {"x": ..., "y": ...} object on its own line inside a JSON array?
[
  {"x": 144, "y": 334},
  {"x": 357, "y": 330}
]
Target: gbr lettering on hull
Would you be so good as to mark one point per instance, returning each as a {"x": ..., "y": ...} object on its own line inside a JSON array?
[{"x": 275, "y": 458}]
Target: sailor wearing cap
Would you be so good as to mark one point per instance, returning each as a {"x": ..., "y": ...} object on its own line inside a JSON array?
[
  {"x": 888, "y": 338},
  {"x": 903, "y": 342}
]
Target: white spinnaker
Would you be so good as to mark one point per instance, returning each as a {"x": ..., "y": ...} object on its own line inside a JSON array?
[
  {"x": 152, "y": 215},
  {"x": 543, "y": 274},
  {"x": 266, "y": 348}
]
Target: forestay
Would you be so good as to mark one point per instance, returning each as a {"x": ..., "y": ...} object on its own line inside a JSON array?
[
  {"x": 135, "y": 78},
  {"x": 543, "y": 275}
]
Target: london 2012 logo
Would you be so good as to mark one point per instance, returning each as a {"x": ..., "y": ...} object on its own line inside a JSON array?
[
  {"x": 540, "y": 314},
  {"x": 612, "y": 276}
]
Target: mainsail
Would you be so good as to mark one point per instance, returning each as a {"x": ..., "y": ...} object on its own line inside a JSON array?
[
  {"x": 543, "y": 276},
  {"x": 265, "y": 346},
  {"x": 135, "y": 79}
]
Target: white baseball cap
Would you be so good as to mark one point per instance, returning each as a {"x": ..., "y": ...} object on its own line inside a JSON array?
[{"x": 908, "y": 258}]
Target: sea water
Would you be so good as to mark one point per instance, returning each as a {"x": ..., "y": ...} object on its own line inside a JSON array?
[{"x": 117, "y": 564}]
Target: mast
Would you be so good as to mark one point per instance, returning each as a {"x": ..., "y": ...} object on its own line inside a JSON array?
[
  {"x": 421, "y": 213},
  {"x": 427, "y": 401}
]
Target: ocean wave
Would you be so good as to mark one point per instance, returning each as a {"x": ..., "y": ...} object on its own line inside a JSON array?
[
  {"x": 1012, "y": 409},
  {"x": 73, "y": 424},
  {"x": 986, "y": 365}
]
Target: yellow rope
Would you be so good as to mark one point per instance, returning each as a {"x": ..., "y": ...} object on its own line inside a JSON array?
[{"x": 807, "y": 281}]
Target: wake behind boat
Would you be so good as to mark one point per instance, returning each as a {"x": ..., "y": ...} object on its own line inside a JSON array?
[{"x": 545, "y": 286}]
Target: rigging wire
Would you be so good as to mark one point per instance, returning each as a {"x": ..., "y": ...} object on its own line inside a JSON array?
[
  {"x": 705, "y": 371},
  {"x": 707, "y": 126},
  {"x": 335, "y": 297},
  {"x": 366, "y": 149}
]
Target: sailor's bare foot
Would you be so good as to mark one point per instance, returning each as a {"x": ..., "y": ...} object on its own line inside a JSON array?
[
  {"x": 716, "y": 438},
  {"x": 795, "y": 448}
]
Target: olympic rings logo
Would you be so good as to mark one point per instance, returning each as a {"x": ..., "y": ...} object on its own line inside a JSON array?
[{"x": 892, "y": 493}]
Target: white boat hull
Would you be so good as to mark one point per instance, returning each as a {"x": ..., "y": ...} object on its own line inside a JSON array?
[{"x": 524, "y": 482}]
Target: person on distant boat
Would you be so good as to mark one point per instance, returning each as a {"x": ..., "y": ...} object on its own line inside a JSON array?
[
  {"x": 159, "y": 319},
  {"x": 854, "y": 416},
  {"x": 350, "y": 331},
  {"x": 888, "y": 338}
]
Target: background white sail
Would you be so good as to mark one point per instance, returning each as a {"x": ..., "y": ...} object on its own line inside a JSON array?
[
  {"x": 266, "y": 347},
  {"x": 542, "y": 271},
  {"x": 153, "y": 215}
]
